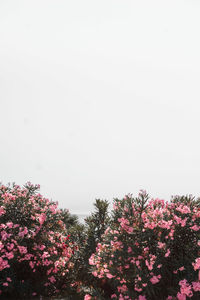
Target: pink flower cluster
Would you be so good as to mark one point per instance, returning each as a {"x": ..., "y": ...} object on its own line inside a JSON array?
[
  {"x": 34, "y": 245},
  {"x": 151, "y": 243}
]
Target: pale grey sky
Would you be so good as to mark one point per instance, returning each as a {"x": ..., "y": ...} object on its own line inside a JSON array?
[{"x": 100, "y": 98}]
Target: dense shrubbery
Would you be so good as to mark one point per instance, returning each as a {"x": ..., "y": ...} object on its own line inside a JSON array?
[
  {"x": 95, "y": 225},
  {"x": 151, "y": 250},
  {"x": 146, "y": 249},
  {"x": 36, "y": 255}
]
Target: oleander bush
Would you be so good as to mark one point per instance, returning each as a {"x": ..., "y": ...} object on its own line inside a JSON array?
[
  {"x": 36, "y": 254},
  {"x": 145, "y": 249},
  {"x": 151, "y": 249}
]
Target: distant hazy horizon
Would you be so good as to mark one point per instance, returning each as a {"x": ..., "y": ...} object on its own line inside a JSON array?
[{"x": 100, "y": 98}]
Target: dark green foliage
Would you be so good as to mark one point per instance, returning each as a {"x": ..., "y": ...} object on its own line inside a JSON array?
[{"x": 87, "y": 237}]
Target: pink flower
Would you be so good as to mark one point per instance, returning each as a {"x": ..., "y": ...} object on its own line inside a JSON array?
[
  {"x": 149, "y": 265},
  {"x": 9, "y": 224},
  {"x": 159, "y": 266},
  {"x": 10, "y": 246},
  {"x": 181, "y": 296},
  {"x": 22, "y": 249},
  {"x": 31, "y": 264},
  {"x": 2, "y": 211},
  {"x": 5, "y": 284},
  {"x": 130, "y": 230},
  {"x": 185, "y": 288},
  {"x": 167, "y": 253},
  {"x": 109, "y": 275},
  {"x": 195, "y": 227},
  {"x": 4, "y": 235},
  {"x": 161, "y": 245},
  {"x": 196, "y": 286},
  {"x": 91, "y": 260},
  {"x": 52, "y": 279},
  {"x": 87, "y": 297},
  {"x": 154, "y": 280},
  {"x": 196, "y": 265},
  {"x": 9, "y": 255},
  {"x": 137, "y": 289},
  {"x": 144, "y": 284},
  {"x": 42, "y": 218}
]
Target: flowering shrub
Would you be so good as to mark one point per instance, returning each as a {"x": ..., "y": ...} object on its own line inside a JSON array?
[
  {"x": 36, "y": 255},
  {"x": 147, "y": 250},
  {"x": 87, "y": 236},
  {"x": 151, "y": 249}
]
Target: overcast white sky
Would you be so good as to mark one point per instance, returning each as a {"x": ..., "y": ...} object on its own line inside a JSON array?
[{"x": 100, "y": 98}]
